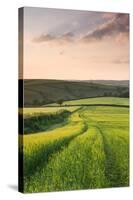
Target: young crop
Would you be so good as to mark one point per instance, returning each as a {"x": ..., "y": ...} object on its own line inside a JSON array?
[
  {"x": 79, "y": 166},
  {"x": 90, "y": 151}
]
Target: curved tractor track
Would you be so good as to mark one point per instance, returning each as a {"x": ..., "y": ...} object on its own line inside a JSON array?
[{"x": 91, "y": 151}]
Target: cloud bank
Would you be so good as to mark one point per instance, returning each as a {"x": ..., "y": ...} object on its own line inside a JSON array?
[{"x": 117, "y": 25}]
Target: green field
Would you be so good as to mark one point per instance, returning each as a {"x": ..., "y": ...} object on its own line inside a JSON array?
[
  {"x": 100, "y": 100},
  {"x": 91, "y": 150},
  {"x": 34, "y": 111}
]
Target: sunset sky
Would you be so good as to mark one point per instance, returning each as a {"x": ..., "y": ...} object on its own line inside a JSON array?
[{"x": 75, "y": 45}]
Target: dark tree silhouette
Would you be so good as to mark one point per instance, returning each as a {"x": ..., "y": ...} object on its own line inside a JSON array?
[{"x": 60, "y": 102}]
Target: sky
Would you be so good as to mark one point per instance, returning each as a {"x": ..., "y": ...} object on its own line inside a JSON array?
[{"x": 75, "y": 45}]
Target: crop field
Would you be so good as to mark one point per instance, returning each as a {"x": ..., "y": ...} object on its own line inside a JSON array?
[
  {"x": 90, "y": 150},
  {"x": 100, "y": 100},
  {"x": 34, "y": 111}
]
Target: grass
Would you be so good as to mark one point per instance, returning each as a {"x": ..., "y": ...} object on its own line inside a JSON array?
[
  {"x": 117, "y": 151},
  {"x": 37, "y": 111},
  {"x": 98, "y": 100},
  {"x": 79, "y": 166},
  {"x": 91, "y": 151},
  {"x": 38, "y": 147}
]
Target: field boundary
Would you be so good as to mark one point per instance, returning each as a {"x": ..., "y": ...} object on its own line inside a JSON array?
[{"x": 109, "y": 105}]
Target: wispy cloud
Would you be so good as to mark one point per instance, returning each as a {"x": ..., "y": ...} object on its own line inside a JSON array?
[
  {"x": 118, "y": 24},
  {"x": 43, "y": 38},
  {"x": 61, "y": 39}
]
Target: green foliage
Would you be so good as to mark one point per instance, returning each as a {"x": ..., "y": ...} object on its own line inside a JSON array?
[
  {"x": 60, "y": 102},
  {"x": 43, "y": 121}
]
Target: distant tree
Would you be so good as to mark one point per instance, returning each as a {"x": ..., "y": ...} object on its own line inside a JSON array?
[{"x": 60, "y": 102}]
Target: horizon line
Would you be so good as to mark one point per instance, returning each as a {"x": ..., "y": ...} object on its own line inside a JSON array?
[{"x": 76, "y": 79}]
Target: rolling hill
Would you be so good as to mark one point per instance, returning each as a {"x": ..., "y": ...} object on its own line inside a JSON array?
[{"x": 41, "y": 92}]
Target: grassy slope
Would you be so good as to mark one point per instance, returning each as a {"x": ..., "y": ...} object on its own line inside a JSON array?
[
  {"x": 33, "y": 111},
  {"x": 98, "y": 158},
  {"x": 100, "y": 100},
  {"x": 75, "y": 167},
  {"x": 113, "y": 125},
  {"x": 113, "y": 82},
  {"x": 40, "y": 92},
  {"x": 38, "y": 147}
]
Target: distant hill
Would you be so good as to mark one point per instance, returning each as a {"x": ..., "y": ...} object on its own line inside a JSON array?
[
  {"x": 112, "y": 82},
  {"x": 41, "y": 92}
]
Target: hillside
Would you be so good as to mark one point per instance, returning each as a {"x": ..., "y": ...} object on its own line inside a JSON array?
[
  {"x": 41, "y": 92},
  {"x": 112, "y": 82},
  {"x": 91, "y": 101}
]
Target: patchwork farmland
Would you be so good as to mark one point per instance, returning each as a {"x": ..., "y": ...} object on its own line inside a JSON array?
[{"x": 87, "y": 148}]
